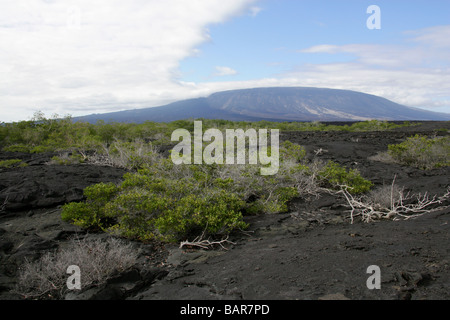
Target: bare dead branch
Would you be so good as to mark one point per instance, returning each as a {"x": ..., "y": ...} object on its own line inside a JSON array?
[
  {"x": 205, "y": 243},
  {"x": 401, "y": 206}
]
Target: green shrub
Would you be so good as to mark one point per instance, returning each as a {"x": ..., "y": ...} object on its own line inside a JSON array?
[
  {"x": 335, "y": 176},
  {"x": 81, "y": 214},
  {"x": 376, "y": 125},
  {"x": 171, "y": 202},
  {"x": 17, "y": 148},
  {"x": 91, "y": 214},
  {"x": 292, "y": 151},
  {"x": 281, "y": 196},
  {"x": 12, "y": 163},
  {"x": 422, "y": 152},
  {"x": 131, "y": 154},
  {"x": 67, "y": 160},
  {"x": 101, "y": 193},
  {"x": 134, "y": 213},
  {"x": 41, "y": 149},
  {"x": 149, "y": 208},
  {"x": 214, "y": 212},
  {"x": 145, "y": 207}
]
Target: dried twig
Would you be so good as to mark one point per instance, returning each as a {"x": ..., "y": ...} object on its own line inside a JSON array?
[
  {"x": 319, "y": 151},
  {"x": 205, "y": 244}
]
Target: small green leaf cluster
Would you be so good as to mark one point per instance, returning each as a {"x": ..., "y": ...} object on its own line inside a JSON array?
[
  {"x": 12, "y": 163},
  {"x": 336, "y": 176},
  {"x": 91, "y": 213},
  {"x": 422, "y": 152}
]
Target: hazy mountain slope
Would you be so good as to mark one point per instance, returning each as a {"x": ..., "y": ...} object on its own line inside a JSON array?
[
  {"x": 315, "y": 104},
  {"x": 185, "y": 109},
  {"x": 278, "y": 104}
]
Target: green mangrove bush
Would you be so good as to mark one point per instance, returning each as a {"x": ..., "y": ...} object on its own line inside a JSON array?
[
  {"x": 422, "y": 152},
  {"x": 171, "y": 202},
  {"x": 337, "y": 176},
  {"x": 12, "y": 163}
]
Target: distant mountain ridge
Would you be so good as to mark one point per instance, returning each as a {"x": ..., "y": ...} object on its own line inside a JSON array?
[{"x": 277, "y": 104}]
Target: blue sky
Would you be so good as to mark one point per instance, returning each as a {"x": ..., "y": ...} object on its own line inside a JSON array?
[
  {"x": 269, "y": 42},
  {"x": 80, "y": 57},
  {"x": 272, "y": 43}
]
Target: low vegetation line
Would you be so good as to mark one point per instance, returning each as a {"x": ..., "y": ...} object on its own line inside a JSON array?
[
  {"x": 43, "y": 134},
  {"x": 159, "y": 199}
]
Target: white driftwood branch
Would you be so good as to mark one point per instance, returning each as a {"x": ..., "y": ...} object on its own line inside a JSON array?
[
  {"x": 406, "y": 206},
  {"x": 205, "y": 244}
]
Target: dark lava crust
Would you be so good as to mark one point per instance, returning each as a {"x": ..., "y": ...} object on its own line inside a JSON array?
[{"x": 313, "y": 252}]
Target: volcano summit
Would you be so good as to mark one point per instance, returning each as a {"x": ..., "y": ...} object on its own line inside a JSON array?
[{"x": 277, "y": 104}]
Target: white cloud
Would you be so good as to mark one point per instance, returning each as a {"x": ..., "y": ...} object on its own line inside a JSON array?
[
  {"x": 322, "y": 48},
  {"x": 415, "y": 72},
  {"x": 224, "y": 71},
  {"x": 424, "y": 88},
  {"x": 437, "y": 36},
  {"x": 81, "y": 56}
]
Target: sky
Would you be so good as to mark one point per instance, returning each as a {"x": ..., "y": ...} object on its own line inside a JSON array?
[{"x": 78, "y": 57}]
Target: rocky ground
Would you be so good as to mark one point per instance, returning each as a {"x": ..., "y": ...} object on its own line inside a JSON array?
[{"x": 313, "y": 252}]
